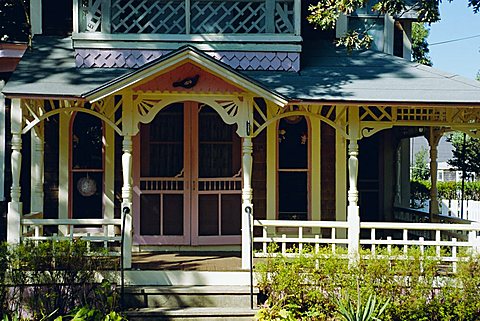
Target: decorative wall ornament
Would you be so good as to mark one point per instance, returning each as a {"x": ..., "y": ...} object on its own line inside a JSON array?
[
  {"x": 187, "y": 83},
  {"x": 86, "y": 186}
]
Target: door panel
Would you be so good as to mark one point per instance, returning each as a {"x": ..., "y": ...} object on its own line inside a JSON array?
[
  {"x": 150, "y": 214},
  {"x": 163, "y": 179},
  {"x": 189, "y": 182},
  {"x": 218, "y": 183},
  {"x": 208, "y": 215}
]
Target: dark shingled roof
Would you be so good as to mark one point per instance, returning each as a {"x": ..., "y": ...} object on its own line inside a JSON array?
[
  {"x": 328, "y": 74},
  {"x": 48, "y": 69}
]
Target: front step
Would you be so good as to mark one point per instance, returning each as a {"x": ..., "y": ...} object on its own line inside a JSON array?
[
  {"x": 188, "y": 296},
  {"x": 220, "y": 296},
  {"x": 192, "y": 314}
]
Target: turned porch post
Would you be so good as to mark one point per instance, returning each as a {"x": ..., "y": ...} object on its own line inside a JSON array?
[
  {"x": 15, "y": 207},
  {"x": 37, "y": 169},
  {"x": 434, "y": 136},
  {"x": 353, "y": 211},
  {"x": 2, "y": 141},
  {"x": 247, "y": 197},
  {"x": 398, "y": 177},
  {"x": 127, "y": 195}
]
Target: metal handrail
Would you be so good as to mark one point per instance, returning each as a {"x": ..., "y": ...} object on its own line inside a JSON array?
[
  {"x": 248, "y": 210},
  {"x": 126, "y": 211}
]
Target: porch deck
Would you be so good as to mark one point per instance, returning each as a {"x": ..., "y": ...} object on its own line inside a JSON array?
[{"x": 187, "y": 261}]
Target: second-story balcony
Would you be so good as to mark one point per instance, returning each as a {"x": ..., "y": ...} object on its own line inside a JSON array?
[{"x": 259, "y": 21}]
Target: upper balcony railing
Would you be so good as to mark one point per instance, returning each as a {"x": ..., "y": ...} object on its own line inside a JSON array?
[{"x": 188, "y": 17}]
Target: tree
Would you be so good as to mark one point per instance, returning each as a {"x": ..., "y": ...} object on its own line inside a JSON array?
[
  {"x": 466, "y": 153},
  {"x": 14, "y": 21},
  {"x": 420, "y": 49},
  {"x": 326, "y": 12},
  {"x": 420, "y": 168}
]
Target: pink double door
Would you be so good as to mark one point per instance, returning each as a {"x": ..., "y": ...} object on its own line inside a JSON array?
[{"x": 187, "y": 178}]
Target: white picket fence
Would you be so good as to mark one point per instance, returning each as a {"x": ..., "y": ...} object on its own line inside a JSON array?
[
  {"x": 471, "y": 209},
  {"x": 291, "y": 237}
]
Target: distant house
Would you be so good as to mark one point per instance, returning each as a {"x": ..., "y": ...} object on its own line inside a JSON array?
[
  {"x": 445, "y": 173},
  {"x": 187, "y": 117}
]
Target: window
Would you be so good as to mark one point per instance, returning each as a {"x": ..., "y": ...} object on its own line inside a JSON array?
[
  {"x": 86, "y": 171},
  {"x": 293, "y": 168}
]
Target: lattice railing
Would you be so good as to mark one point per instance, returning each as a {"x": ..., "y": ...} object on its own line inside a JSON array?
[
  {"x": 228, "y": 16},
  {"x": 147, "y": 16},
  {"x": 91, "y": 15},
  {"x": 189, "y": 16},
  {"x": 284, "y": 17}
]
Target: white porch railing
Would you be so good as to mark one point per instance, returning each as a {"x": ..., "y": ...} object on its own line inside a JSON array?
[
  {"x": 298, "y": 233},
  {"x": 445, "y": 239},
  {"x": 103, "y": 232}
]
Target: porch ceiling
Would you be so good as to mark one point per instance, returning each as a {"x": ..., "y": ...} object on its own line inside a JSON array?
[{"x": 328, "y": 74}]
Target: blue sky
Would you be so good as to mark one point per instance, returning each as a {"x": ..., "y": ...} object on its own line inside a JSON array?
[{"x": 460, "y": 57}]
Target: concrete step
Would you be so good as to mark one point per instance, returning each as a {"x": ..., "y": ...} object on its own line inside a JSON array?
[
  {"x": 221, "y": 296},
  {"x": 191, "y": 314},
  {"x": 185, "y": 278}
]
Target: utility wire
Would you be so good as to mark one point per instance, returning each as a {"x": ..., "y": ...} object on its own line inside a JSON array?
[{"x": 454, "y": 40}]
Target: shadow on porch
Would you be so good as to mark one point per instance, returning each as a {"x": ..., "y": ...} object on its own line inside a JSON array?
[{"x": 187, "y": 261}]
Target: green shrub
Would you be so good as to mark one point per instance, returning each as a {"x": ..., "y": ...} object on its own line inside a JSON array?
[
  {"x": 311, "y": 286},
  {"x": 448, "y": 190},
  {"x": 53, "y": 278},
  {"x": 419, "y": 193}
]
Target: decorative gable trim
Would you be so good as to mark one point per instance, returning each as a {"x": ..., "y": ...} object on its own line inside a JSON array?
[
  {"x": 136, "y": 58},
  {"x": 184, "y": 55}
]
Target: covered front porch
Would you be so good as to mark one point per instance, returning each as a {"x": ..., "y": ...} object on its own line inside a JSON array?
[{"x": 260, "y": 187}]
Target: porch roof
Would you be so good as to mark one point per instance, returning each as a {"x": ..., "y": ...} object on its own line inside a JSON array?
[
  {"x": 332, "y": 74},
  {"x": 328, "y": 74},
  {"x": 48, "y": 69}
]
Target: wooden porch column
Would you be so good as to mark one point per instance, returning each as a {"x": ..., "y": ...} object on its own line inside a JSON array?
[
  {"x": 127, "y": 195},
  {"x": 15, "y": 207},
  {"x": 37, "y": 169},
  {"x": 2, "y": 142},
  {"x": 353, "y": 211},
  {"x": 398, "y": 177},
  {"x": 434, "y": 136},
  {"x": 247, "y": 197},
  {"x": 64, "y": 144}
]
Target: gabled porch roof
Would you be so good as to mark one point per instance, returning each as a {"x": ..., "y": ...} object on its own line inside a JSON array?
[
  {"x": 49, "y": 70},
  {"x": 329, "y": 75}
]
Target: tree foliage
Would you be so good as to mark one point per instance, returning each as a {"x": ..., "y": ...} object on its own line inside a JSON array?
[
  {"x": 14, "y": 20},
  {"x": 420, "y": 49},
  {"x": 466, "y": 153},
  {"x": 326, "y": 12},
  {"x": 420, "y": 168}
]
